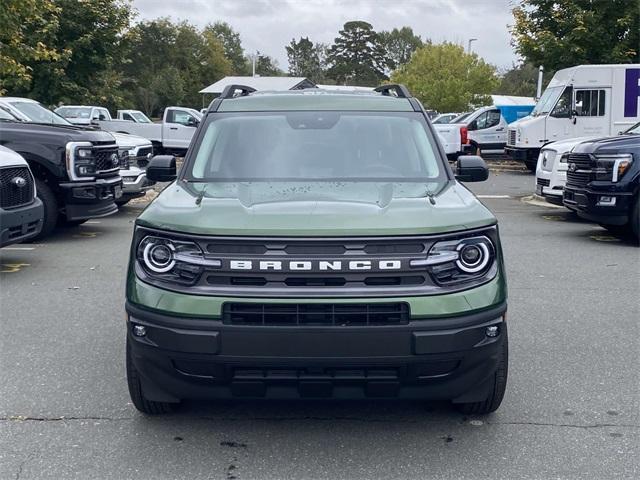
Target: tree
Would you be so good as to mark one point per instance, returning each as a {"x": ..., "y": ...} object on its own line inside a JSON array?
[
  {"x": 520, "y": 80},
  {"x": 563, "y": 33},
  {"x": 306, "y": 59},
  {"x": 89, "y": 36},
  {"x": 265, "y": 66},
  {"x": 399, "y": 45},
  {"x": 169, "y": 63},
  {"x": 27, "y": 28},
  {"x": 447, "y": 79},
  {"x": 231, "y": 44},
  {"x": 356, "y": 57}
]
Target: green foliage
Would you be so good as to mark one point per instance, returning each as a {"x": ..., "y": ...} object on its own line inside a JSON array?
[
  {"x": 169, "y": 63},
  {"x": 265, "y": 66},
  {"x": 232, "y": 45},
  {"x": 27, "y": 30},
  {"x": 447, "y": 79},
  {"x": 520, "y": 80},
  {"x": 399, "y": 45},
  {"x": 306, "y": 59},
  {"x": 357, "y": 57},
  {"x": 564, "y": 33}
]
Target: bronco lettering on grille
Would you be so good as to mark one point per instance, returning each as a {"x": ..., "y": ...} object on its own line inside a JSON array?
[{"x": 318, "y": 265}]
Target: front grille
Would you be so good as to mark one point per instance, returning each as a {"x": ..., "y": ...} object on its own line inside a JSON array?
[
  {"x": 512, "y": 137},
  {"x": 11, "y": 194},
  {"x": 321, "y": 314},
  {"x": 103, "y": 159},
  {"x": 141, "y": 159},
  {"x": 579, "y": 173},
  {"x": 544, "y": 182}
]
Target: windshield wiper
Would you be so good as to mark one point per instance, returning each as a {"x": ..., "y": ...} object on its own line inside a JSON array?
[{"x": 201, "y": 195}]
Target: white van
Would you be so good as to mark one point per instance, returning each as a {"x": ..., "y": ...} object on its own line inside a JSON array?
[{"x": 587, "y": 100}]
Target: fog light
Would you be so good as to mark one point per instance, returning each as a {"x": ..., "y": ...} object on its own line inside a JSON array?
[
  {"x": 492, "y": 331},
  {"x": 139, "y": 331},
  {"x": 84, "y": 192},
  {"x": 607, "y": 201}
]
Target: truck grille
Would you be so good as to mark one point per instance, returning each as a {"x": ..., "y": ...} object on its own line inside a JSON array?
[
  {"x": 543, "y": 182},
  {"x": 141, "y": 159},
  {"x": 104, "y": 162},
  {"x": 512, "y": 137},
  {"x": 329, "y": 314},
  {"x": 12, "y": 195},
  {"x": 580, "y": 175}
]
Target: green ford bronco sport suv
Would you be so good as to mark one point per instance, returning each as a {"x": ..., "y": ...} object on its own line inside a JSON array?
[{"x": 316, "y": 244}]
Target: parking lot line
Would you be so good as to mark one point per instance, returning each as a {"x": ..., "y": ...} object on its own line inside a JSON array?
[
  {"x": 18, "y": 248},
  {"x": 493, "y": 196}
]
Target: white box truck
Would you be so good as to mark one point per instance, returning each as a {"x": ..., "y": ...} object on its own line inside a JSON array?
[{"x": 582, "y": 101}]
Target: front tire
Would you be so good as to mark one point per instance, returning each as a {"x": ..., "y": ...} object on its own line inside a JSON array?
[
  {"x": 635, "y": 219},
  {"x": 50, "y": 203},
  {"x": 493, "y": 401},
  {"x": 136, "y": 392}
]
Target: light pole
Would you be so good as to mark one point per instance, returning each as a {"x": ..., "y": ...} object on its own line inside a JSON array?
[{"x": 471, "y": 40}]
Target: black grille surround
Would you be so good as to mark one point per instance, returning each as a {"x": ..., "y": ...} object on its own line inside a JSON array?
[
  {"x": 315, "y": 314},
  {"x": 11, "y": 194},
  {"x": 406, "y": 281}
]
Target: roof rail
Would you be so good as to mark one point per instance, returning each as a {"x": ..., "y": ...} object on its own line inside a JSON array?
[
  {"x": 230, "y": 91},
  {"x": 400, "y": 90}
]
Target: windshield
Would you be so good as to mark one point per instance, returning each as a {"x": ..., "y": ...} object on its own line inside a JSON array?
[
  {"x": 443, "y": 119},
  {"x": 547, "y": 101},
  {"x": 4, "y": 115},
  {"x": 635, "y": 130},
  {"x": 38, "y": 114},
  {"x": 461, "y": 118},
  {"x": 140, "y": 117},
  {"x": 316, "y": 146},
  {"x": 74, "y": 112}
]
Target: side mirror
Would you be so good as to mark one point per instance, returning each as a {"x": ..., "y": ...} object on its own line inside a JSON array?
[
  {"x": 471, "y": 168},
  {"x": 192, "y": 122},
  {"x": 162, "y": 168},
  {"x": 472, "y": 126}
]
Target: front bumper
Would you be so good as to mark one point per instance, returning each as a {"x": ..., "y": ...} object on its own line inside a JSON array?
[
  {"x": 521, "y": 154},
  {"x": 20, "y": 224},
  {"x": 92, "y": 199},
  {"x": 444, "y": 355},
  {"x": 134, "y": 183},
  {"x": 586, "y": 203},
  {"x": 550, "y": 184}
]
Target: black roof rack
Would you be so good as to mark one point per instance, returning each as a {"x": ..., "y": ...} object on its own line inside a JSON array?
[
  {"x": 400, "y": 90},
  {"x": 230, "y": 91}
]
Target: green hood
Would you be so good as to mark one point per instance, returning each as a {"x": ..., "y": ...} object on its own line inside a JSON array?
[{"x": 314, "y": 209}]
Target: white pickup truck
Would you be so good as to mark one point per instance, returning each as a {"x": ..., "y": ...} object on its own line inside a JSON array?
[{"x": 172, "y": 135}]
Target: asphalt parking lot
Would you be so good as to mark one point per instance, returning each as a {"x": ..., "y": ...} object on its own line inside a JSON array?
[{"x": 572, "y": 408}]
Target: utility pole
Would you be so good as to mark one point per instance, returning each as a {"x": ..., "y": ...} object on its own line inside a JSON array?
[
  {"x": 471, "y": 40},
  {"x": 539, "y": 89},
  {"x": 254, "y": 57}
]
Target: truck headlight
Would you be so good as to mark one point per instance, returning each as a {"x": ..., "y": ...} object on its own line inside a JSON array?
[
  {"x": 84, "y": 153},
  {"x": 612, "y": 167},
  {"x": 564, "y": 158},
  {"x": 170, "y": 260},
  {"x": 124, "y": 159},
  {"x": 459, "y": 261}
]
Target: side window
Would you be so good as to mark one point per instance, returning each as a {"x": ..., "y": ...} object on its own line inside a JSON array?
[
  {"x": 95, "y": 114},
  {"x": 481, "y": 121},
  {"x": 590, "y": 103},
  {"x": 493, "y": 118},
  {"x": 181, "y": 117},
  {"x": 563, "y": 106},
  {"x": 126, "y": 116},
  {"x": 103, "y": 114}
]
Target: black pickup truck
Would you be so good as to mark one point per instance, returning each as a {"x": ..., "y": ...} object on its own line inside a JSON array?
[
  {"x": 603, "y": 182},
  {"x": 76, "y": 170}
]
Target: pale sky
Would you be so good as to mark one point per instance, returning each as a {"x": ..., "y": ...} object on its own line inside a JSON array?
[{"x": 269, "y": 25}]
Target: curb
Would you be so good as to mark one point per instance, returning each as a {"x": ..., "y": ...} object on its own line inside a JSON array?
[{"x": 539, "y": 201}]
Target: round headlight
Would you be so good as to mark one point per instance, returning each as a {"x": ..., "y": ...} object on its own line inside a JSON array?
[
  {"x": 473, "y": 257},
  {"x": 159, "y": 257}
]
